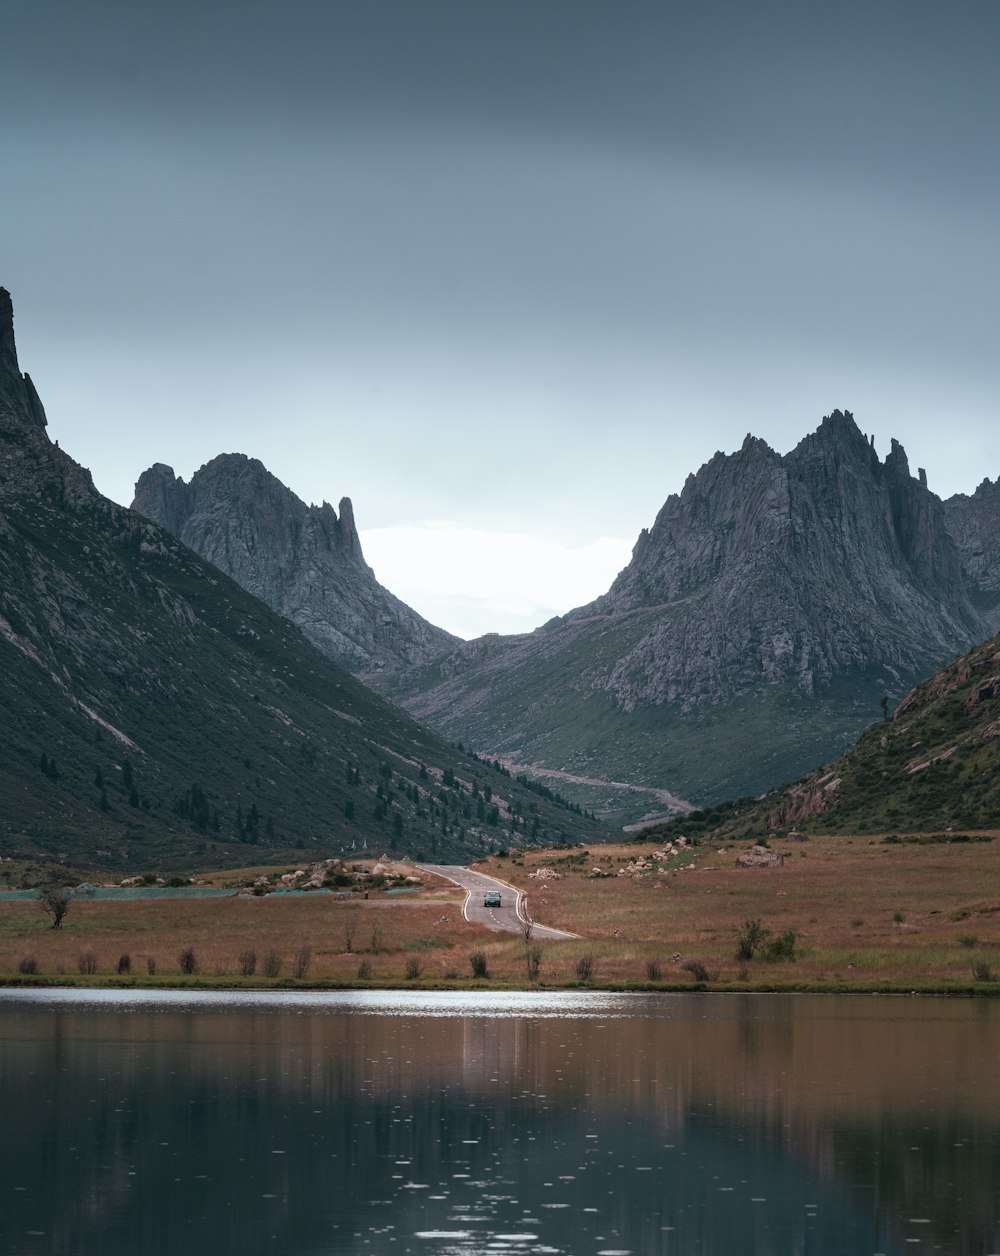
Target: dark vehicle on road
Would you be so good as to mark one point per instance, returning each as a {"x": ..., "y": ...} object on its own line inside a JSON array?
[{"x": 492, "y": 899}]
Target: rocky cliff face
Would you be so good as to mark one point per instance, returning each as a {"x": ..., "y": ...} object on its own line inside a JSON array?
[
  {"x": 155, "y": 714},
  {"x": 751, "y": 636},
  {"x": 303, "y": 561},
  {"x": 800, "y": 568},
  {"x": 974, "y": 524}
]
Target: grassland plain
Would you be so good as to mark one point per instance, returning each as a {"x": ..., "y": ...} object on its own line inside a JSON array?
[{"x": 841, "y": 914}]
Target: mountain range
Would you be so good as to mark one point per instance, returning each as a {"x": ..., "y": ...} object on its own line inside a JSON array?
[
  {"x": 760, "y": 622},
  {"x": 156, "y": 714},
  {"x": 761, "y": 619}
]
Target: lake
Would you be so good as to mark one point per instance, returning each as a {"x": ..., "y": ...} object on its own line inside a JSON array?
[{"x": 460, "y": 1123}]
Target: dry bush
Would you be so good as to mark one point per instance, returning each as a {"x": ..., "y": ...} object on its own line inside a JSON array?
[
  {"x": 272, "y": 964},
  {"x": 982, "y": 971},
  {"x": 248, "y": 963},
  {"x": 124, "y": 965},
  {"x": 188, "y": 961},
  {"x": 413, "y": 968},
  {"x": 654, "y": 970},
  {"x": 55, "y": 900},
  {"x": 533, "y": 960},
  {"x": 300, "y": 965},
  {"x": 86, "y": 961},
  {"x": 585, "y": 967},
  {"x": 697, "y": 970},
  {"x": 28, "y": 965},
  {"x": 151, "y": 965},
  {"x": 365, "y": 970},
  {"x": 478, "y": 963}
]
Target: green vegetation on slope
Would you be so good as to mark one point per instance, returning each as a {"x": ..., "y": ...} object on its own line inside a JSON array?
[{"x": 932, "y": 768}]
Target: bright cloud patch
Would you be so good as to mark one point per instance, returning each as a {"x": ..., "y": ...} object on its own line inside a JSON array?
[{"x": 471, "y": 582}]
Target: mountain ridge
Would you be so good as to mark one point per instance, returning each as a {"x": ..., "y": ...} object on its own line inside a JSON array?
[
  {"x": 754, "y": 630},
  {"x": 305, "y": 562},
  {"x": 158, "y": 715}
]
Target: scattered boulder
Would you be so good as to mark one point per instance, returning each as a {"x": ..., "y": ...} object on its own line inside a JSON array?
[
  {"x": 546, "y": 874},
  {"x": 759, "y": 857}
]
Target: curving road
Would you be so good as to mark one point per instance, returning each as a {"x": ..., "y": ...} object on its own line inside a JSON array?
[{"x": 504, "y": 919}]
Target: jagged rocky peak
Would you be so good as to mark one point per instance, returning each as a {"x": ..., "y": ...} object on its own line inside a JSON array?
[
  {"x": 19, "y": 402},
  {"x": 239, "y": 484},
  {"x": 304, "y": 561},
  {"x": 29, "y": 461}
]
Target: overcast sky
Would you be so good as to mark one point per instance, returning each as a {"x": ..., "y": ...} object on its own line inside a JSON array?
[{"x": 502, "y": 271}]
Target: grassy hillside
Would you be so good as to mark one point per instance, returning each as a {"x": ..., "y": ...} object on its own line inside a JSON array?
[
  {"x": 157, "y": 715},
  {"x": 934, "y": 767}
]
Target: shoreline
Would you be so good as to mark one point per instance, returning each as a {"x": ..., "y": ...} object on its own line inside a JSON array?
[{"x": 977, "y": 990}]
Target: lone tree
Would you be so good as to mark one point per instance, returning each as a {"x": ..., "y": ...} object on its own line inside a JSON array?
[{"x": 55, "y": 899}]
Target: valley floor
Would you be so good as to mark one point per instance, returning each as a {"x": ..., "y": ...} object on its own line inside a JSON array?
[{"x": 840, "y": 914}]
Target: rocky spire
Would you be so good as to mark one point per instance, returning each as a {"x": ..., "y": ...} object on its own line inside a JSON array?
[
  {"x": 304, "y": 561},
  {"x": 28, "y": 459},
  {"x": 19, "y": 402}
]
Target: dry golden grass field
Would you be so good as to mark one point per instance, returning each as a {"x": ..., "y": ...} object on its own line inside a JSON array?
[{"x": 846, "y": 914}]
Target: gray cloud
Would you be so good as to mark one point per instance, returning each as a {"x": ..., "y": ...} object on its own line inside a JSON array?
[{"x": 503, "y": 261}]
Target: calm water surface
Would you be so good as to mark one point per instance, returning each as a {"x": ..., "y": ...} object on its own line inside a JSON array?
[{"x": 452, "y": 1124}]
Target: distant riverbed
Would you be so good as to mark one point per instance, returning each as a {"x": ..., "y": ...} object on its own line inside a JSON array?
[{"x": 472, "y": 1122}]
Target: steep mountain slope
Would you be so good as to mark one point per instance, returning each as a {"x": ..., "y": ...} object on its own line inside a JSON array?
[
  {"x": 304, "y": 561},
  {"x": 752, "y": 635},
  {"x": 154, "y": 713},
  {"x": 974, "y": 524},
  {"x": 934, "y": 767}
]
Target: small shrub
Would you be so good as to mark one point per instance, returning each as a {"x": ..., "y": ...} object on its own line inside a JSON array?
[
  {"x": 533, "y": 959},
  {"x": 782, "y": 949},
  {"x": 697, "y": 970},
  {"x": 654, "y": 970},
  {"x": 124, "y": 965},
  {"x": 857, "y": 922},
  {"x": 968, "y": 939},
  {"x": 151, "y": 965},
  {"x": 248, "y": 963},
  {"x": 86, "y": 961},
  {"x": 982, "y": 971},
  {"x": 375, "y": 944},
  {"x": 743, "y": 973},
  {"x": 898, "y": 917},
  {"x": 365, "y": 970},
  {"x": 56, "y": 900},
  {"x": 272, "y": 964},
  {"x": 28, "y": 965},
  {"x": 188, "y": 961},
  {"x": 413, "y": 968},
  {"x": 300, "y": 965},
  {"x": 350, "y": 929},
  {"x": 585, "y": 967},
  {"x": 479, "y": 965},
  {"x": 750, "y": 937}
]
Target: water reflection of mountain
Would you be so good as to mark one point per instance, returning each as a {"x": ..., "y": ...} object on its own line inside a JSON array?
[{"x": 167, "y": 1132}]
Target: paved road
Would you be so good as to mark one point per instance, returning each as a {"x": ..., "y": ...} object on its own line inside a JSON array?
[{"x": 503, "y": 919}]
